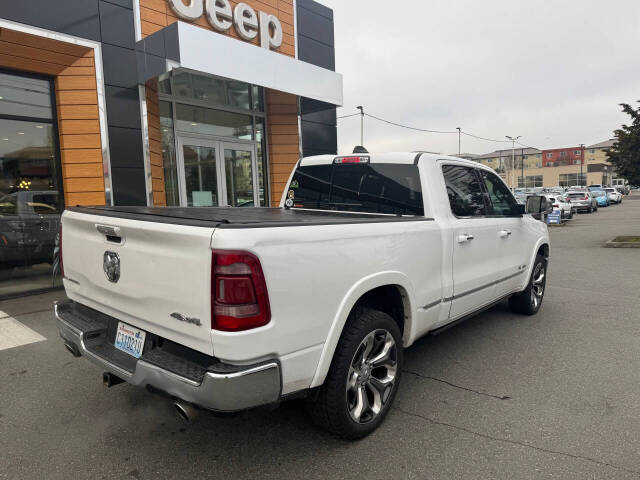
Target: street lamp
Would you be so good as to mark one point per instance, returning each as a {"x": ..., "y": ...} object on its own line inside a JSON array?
[{"x": 513, "y": 156}]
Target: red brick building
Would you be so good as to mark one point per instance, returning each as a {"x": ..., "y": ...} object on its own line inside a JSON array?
[{"x": 563, "y": 156}]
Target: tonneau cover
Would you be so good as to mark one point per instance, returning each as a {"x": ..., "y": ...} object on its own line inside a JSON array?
[{"x": 226, "y": 217}]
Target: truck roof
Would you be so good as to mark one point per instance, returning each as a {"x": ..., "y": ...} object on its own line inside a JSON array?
[{"x": 390, "y": 157}]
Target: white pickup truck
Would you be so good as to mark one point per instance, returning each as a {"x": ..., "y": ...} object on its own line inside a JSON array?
[{"x": 228, "y": 309}]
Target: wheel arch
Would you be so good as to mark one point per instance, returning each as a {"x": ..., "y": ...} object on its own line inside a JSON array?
[
  {"x": 375, "y": 290},
  {"x": 542, "y": 248}
]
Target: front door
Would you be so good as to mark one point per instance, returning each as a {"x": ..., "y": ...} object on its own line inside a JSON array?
[
  {"x": 214, "y": 173},
  {"x": 510, "y": 234}
]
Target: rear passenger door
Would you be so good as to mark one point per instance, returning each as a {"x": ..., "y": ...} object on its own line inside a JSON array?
[
  {"x": 475, "y": 244},
  {"x": 510, "y": 235}
]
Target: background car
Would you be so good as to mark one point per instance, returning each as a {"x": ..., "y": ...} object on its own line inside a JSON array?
[
  {"x": 29, "y": 223},
  {"x": 601, "y": 198},
  {"x": 559, "y": 202},
  {"x": 614, "y": 195},
  {"x": 583, "y": 201},
  {"x": 595, "y": 188}
]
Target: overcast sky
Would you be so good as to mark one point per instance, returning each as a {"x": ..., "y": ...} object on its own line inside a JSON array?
[{"x": 551, "y": 71}]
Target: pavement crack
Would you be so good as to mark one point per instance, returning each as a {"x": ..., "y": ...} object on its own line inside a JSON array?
[
  {"x": 518, "y": 443},
  {"x": 477, "y": 392}
]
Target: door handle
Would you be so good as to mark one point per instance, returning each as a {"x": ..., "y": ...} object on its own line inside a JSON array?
[
  {"x": 505, "y": 233},
  {"x": 465, "y": 238}
]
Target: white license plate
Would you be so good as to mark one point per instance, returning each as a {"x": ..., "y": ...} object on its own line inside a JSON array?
[{"x": 130, "y": 339}]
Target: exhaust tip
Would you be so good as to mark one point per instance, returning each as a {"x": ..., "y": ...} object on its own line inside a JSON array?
[
  {"x": 185, "y": 411},
  {"x": 109, "y": 380},
  {"x": 73, "y": 349}
]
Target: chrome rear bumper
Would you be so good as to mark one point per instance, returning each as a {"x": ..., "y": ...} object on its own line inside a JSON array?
[{"x": 219, "y": 387}]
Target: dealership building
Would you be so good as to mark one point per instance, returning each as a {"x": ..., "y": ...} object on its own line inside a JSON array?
[{"x": 153, "y": 102}]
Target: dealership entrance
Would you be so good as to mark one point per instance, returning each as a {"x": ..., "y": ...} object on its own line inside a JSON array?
[
  {"x": 216, "y": 173},
  {"x": 213, "y": 141}
]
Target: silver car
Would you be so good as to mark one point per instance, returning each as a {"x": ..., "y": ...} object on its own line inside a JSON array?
[{"x": 583, "y": 201}]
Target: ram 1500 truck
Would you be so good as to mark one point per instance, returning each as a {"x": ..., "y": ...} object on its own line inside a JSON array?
[{"x": 232, "y": 308}]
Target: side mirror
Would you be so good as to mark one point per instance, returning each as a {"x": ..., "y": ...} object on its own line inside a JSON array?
[{"x": 536, "y": 206}]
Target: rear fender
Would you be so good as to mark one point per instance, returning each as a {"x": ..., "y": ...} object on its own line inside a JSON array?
[{"x": 356, "y": 292}]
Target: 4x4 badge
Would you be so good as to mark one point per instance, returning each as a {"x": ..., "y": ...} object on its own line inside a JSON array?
[{"x": 185, "y": 319}]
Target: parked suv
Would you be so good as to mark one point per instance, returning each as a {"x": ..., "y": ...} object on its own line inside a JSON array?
[
  {"x": 614, "y": 195},
  {"x": 583, "y": 201}
]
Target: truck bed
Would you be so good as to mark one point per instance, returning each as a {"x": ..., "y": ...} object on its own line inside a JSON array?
[{"x": 225, "y": 217}]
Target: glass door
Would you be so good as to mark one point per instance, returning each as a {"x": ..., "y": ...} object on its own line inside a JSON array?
[
  {"x": 214, "y": 173},
  {"x": 199, "y": 172},
  {"x": 240, "y": 174}
]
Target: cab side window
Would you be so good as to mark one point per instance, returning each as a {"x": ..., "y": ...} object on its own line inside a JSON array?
[
  {"x": 502, "y": 201},
  {"x": 464, "y": 190}
]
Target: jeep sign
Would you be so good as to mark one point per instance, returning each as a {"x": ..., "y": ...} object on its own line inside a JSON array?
[{"x": 243, "y": 17}]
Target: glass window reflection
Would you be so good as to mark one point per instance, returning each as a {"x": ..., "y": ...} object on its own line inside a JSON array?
[{"x": 31, "y": 198}]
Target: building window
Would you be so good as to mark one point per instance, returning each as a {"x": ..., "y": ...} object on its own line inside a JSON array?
[
  {"x": 550, "y": 164},
  {"x": 563, "y": 154},
  {"x": 532, "y": 181},
  {"x": 549, "y": 155},
  {"x": 572, "y": 179},
  {"x": 31, "y": 194},
  {"x": 592, "y": 151},
  {"x": 219, "y": 126},
  {"x": 577, "y": 153}
]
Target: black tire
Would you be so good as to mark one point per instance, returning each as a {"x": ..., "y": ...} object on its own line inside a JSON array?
[
  {"x": 591, "y": 209},
  {"x": 529, "y": 301},
  {"x": 330, "y": 408}
]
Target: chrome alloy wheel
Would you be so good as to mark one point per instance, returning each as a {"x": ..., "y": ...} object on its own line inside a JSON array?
[
  {"x": 372, "y": 376},
  {"x": 537, "y": 285}
]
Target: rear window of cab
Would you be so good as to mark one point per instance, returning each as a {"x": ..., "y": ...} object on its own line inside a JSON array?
[{"x": 368, "y": 188}]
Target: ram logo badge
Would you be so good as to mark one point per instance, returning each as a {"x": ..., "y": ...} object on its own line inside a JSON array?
[
  {"x": 111, "y": 266},
  {"x": 185, "y": 319}
]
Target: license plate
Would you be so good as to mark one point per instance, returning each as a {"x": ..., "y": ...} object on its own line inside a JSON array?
[{"x": 130, "y": 339}]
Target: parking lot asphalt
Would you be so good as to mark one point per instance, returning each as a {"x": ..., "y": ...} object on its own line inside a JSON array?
[{"x": 499, "y": 396}]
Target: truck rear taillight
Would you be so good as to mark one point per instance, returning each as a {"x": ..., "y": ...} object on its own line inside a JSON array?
[{"x": 239, "y": 299}]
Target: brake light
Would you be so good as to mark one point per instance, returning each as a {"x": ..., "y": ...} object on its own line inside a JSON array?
[
  {"x": 239, "y": 298},
  {"x": 60, "y": 250},
  {"x": 586, "y": 197},
  {"x": 351, "y": 160}
]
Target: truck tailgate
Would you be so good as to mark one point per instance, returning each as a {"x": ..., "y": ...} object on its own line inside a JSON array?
[{"x": 165, "y": 269}]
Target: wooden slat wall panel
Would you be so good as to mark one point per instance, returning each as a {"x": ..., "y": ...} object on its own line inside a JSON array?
[
  {"x": 283, "y": 138},
  {"x": 77, "y": 105},
  {"x": 155, "y": 144},
  {"x": 157, "y": 14},
  {"x": 79, "y": 127}
]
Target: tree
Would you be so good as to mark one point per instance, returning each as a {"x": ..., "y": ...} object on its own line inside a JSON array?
[{"x": 625, "y": 153}]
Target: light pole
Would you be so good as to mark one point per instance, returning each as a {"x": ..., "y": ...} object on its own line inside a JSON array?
[
  {"x": 459, "y": 140},
  {"x": 581, "y": 161},
  {"x": 361, "y": 125},
  {"x": 513, "y": 156}
]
